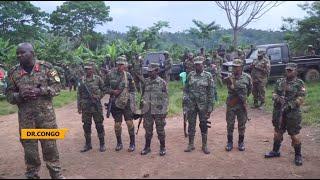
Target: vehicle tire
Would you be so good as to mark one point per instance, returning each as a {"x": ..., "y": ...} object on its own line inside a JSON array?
[{"x": 312, "y": 75}]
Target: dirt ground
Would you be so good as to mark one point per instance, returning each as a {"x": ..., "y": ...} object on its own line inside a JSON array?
[{"x": 177, "y": 163}]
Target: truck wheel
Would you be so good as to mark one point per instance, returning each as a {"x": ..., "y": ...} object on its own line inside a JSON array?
[{"x": 312, "y": 75}]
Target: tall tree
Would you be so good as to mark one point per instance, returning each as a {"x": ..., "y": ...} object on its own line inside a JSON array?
[
  {"x": 21, "y": 21},
  {"x": 204, "y": 31},
  {"x": 242, "y": 13},
  {"x": 76, "y": 19},
  {"x": 151, "y": 35}
]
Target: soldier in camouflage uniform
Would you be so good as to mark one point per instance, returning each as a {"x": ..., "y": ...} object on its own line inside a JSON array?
[
  {"x": 288, "y": 96},
  {"x": 310, "y": 51},
  {"x": 155, "y": 104},
  {"x": 90, "y": 93},
  {"x": 119, "y": 83},
  {"x": 199, "y": 95},
  {"x": 239, "y": 86},
  {"x": 260, "y": 69},
  {"x": 137, "y": 71},
  {"x": 60, "y": 71},
  {"x": 189, "y": 63},
  {"x": 72, "y": 77},
  {"x": 240, "y": 55},
  {"x": 31, "y": 86},
  {"x": 167, "y": 66}
]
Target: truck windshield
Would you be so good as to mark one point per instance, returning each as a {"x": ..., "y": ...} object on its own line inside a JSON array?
[{"x": 254, "y": 54}]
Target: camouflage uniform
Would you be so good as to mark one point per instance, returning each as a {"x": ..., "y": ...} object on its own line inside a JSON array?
[
  {"x": 310, "y": 51},
  {"x": 117, "y": 80},
  {"x": 167, "y": 67},
  {"x": 259, "y": 74},
  {"x": 137, "y": 72},
  {"x": 288, "y": 96},
  {"x": 199, "y": 97},
  {"x": 239, "y": 88},
  {"x": 72, "y": 78},
  {"x": 155, "y": 98},
  {"x": 90, "y": 106},
  {"x": 36, "y": 114},
  {"x": 60, "y": 71}
]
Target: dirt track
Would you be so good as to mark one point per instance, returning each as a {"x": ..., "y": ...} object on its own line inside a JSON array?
[{"x": 176, "y": 164}]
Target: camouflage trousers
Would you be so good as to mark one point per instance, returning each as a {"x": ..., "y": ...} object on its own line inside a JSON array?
[
  {"x": 231, "y": 114},
  {"x": 43, "y": 118},
  {"x": 117, "y": 114},
  {"x": 93, "y": 112},
  {"x": 159, "y": 120},
  {"x": 259, "y": 91},
  {"x": 291, "y": 121},
  {"x": 192, "y": 117}
]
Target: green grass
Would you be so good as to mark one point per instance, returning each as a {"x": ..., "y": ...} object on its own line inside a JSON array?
[{"x": 64, "y": 98}]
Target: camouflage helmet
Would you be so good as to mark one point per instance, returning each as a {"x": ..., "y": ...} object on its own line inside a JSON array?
[
  {"x": 292, "y": 66},
  {"x": 198, "y": 60},
  {"x": 89, "y": 65},
  {"x": 237, "y": 62},
  {"x": 122, "y": 60},
  {"x": 310, "y": 46},
  {"x": 153, "y": 66},
  {"x": 165, "y": 52}
]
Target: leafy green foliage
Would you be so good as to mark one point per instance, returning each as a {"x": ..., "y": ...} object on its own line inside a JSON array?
[{"x": 204, "y": 30}]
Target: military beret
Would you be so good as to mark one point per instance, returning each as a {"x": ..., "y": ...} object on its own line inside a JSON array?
[
  {"x": 291, "y": 66},
  {"x": 237, "y": 62}
]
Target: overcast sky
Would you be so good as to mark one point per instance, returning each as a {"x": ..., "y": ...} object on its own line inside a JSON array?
[{"x": 179, "y": 14}]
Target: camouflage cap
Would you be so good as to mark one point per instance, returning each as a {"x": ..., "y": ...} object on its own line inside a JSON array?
[
  {"x": 108, "y": 56},
  {"x": 261, "y": 52},
  {"x": 198, "y": 60},
  {"x": 237, "y": 62},
  {"x": 153, "y": 66},
  {"x": 122, "y": 60},
  {"x": 310, "y": 46},
  {"x": 165, "y": 52},
  {"x": 291, "y": 66}
]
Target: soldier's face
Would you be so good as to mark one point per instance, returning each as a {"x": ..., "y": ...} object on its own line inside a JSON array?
[
  {"x": 290, "y": 73},
  {"x": 236, "y": 69},
  {"x": 153, "y": 74},
  {"x": 89, "y": 72},
  {"x": 24, "y": 55},
  {"x": 121, "y": 67},
  {"x": 199, "y": 67}
]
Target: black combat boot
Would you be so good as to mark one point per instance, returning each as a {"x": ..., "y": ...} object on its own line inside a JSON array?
[
  {"x": 119, "y": 143},
  {"x": 298, "y": 156},
  {"x": 204, "y": 144},
  {"x": 275, "y": 151},
  {"x": 241, "y": 143},
  {"x": 162, "y": 148},
  {"x": 190, "y": 145},
  {"x": 132, "y": 144},
  {"x": 88, "y": 145},
  {"x": 146, "y": 149},
  {"x": 229, "y": 143},
  {"x": 102, "y": 144}
]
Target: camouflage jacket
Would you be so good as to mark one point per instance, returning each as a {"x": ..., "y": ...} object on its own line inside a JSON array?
[
  {"x": 137, "y": 66},
  {"x": 115, "y": 81},
  {"x": 42, "y": 76},
  {"x": 294, "y": 92},
  {"x": 189, "y": 65},
  {"x": 95, "y": 86},
  {"x": 239, "y": 89},
  {"x": 167, "y": 65},
  {"x": 260, "y": 70},
  {"x": 60, "y": 71},
  {"x": 155, "y": 96},
  {"x": 218, "y": 61},
  {"x": 199, "y": 91}
]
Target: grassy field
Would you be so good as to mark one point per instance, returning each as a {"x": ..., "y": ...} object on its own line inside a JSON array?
[
  {"x": 311, "y": 113},
  {"x": 64, "y": 98}
]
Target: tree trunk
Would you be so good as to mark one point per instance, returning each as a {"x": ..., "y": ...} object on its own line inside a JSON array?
[{"x": 235, "y": 38}]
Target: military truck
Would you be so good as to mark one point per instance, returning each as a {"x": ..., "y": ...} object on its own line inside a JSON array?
[
  {"x": 279, "y": 55},
  {"x": 158, "y": 57}
]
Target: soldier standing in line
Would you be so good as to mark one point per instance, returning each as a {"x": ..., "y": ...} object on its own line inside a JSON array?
[
  {"x": 199, "y": 97},
  {"x": 90, "y": 93},
  {"x": 32, "y": 84},
  {"x": 137, "y": 71},
  {"x": 155, "y": 103},
  {"x": 239, "y": 86},
  {"x": 310, "y": 51},
  {"x": 167, "y": 66},
  {"x": 119, "y": 83},
  {"x": 189, "y": 63},
  {"x": 288, "y": 96},
  {"x": 260, "y": 69}
]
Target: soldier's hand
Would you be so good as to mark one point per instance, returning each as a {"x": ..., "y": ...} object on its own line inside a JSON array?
[
  {"x": 79, "y": 111},
  {"x": 208, "y": 115}
]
